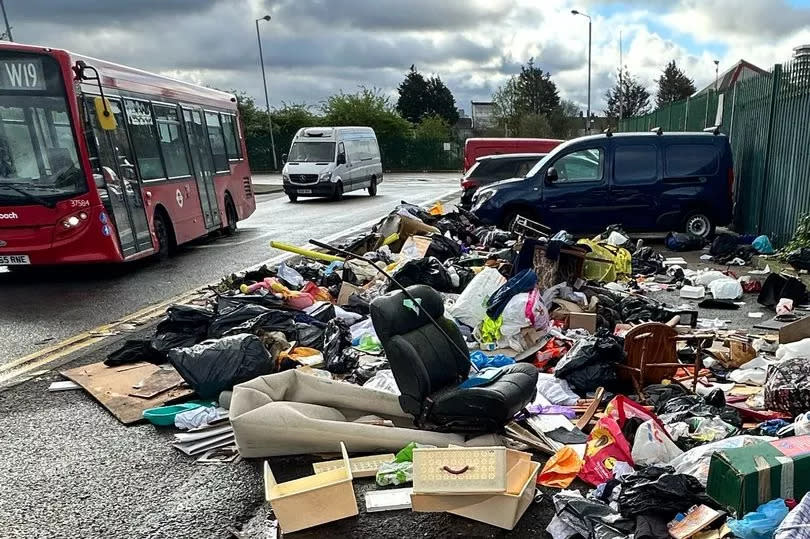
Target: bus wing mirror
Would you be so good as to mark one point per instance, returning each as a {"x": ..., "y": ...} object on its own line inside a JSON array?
[{"x": 105, "y": 116}]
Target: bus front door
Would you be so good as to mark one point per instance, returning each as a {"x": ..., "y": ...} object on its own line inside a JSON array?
[
  {"x": 117, "y": 180},
  {"x": 203, "y": 162}
]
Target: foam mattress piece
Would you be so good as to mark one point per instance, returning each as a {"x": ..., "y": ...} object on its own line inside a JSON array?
[{"x": 293, "y": 413}]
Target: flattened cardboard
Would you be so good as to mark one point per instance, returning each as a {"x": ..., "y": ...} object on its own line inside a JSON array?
[
  {"x": 156, "y": 383},
  {"x": 111, "y": 386},
  {"x": 586, "y": 321}
]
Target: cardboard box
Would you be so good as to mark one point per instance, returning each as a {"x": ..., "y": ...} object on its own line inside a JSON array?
[
  {"x": 502, "y": 510},
  {"x": 743, "y": 478},
  {"x": 314, "y": 500},
  {"x": 586, "y": 321},
  {"x": 346, "y": 290}
]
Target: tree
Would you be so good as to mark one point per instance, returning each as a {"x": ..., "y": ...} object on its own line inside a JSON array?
[
  {"x": 537, "y": 93},
  {"x": 420, "y": 97},
  {"x": 565, "y": 120},
  {"x": 673, "y": 85},
  {"x": 507, "y": 105},
  {"x": 630, "y": 93},
  {"x": 441, "y": 101},
  {"x": 433, "y": 127},
  {"x": 534, "y": 125},
  {"x": 412, "y": 96},
  {"x": 368, "y": 107}
]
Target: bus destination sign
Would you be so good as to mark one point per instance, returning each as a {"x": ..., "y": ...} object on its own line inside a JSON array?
[{"x": 24, "y": 74}]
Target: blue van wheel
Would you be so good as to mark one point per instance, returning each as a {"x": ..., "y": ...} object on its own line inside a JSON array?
[{"x": 699, "y": 224}]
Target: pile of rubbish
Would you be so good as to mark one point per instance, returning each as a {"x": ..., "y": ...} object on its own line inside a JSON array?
[{"x": 577, "y": 374}]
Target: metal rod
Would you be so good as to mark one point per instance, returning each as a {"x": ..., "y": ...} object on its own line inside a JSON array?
[
  {"x": 266, "y": 98},
  {"x": 5, "y": 18},
  {"x": 589, "y": 76},
  {"x": 349, "y": 255}
]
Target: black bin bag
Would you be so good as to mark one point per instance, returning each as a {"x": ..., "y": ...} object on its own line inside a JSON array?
[
  {"x": 591, "y": 363},
  {"x": 184, "y": 325},
  {"x": 217, "y": 365}
]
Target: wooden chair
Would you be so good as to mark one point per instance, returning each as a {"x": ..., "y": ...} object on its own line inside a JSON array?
[{"x": 652, "y": 355}]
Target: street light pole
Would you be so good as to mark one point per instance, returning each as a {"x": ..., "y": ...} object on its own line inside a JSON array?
[
  {"x": 588, "y": 122},
  {"x": 716, "y": 74},
  {"x": 5, "y": 18},
  {"x": 266, "y": 98}
]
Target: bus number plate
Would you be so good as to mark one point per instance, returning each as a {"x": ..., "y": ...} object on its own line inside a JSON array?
[{"x": 14, "y": 260}]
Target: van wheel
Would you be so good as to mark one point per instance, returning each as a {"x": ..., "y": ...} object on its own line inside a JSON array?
[
  {"x": 372, "y": 189},
  {"x": 293, "y": 197},
  {"x": 230, "y": 215},
  {"x": 698, "y": 224},
  {"x": 338, "y": 194}
]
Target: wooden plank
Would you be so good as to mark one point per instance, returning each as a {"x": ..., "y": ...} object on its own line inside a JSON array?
[
  {"x": 795, "y": 331},
  {"x": 583, "y": 421},
  {"x": 112, "y": 386}
]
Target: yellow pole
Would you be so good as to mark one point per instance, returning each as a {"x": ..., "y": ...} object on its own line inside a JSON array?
[{"x": 309, "y": 253}]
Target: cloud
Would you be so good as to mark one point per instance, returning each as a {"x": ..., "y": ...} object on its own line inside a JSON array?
[{"x": 314, "y": 48}]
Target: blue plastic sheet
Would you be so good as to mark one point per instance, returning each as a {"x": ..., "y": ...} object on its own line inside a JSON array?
[
  {"x": 481, "y": 360},
  {"x": 762, "y": 523},
  {"x": 763, "y": 245}
]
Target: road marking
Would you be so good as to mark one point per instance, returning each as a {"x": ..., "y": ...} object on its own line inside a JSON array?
[{"x": 35, "y": 361}]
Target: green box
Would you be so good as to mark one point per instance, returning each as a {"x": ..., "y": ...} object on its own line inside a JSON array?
[{"x": 743, "y": 478}]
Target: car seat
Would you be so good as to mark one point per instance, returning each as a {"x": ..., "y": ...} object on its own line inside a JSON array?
[{"x": 428, "y": 369}]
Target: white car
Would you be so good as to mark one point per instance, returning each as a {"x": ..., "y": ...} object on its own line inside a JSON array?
[{"x": 330, "y": 161}]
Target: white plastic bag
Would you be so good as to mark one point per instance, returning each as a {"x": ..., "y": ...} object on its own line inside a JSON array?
[
  {"x": 471, "y": 306},
  {"x": 795, "y": 349},
  {"x": 726, "y": 288},
  {"x": 705, "y": 278},
  {"x": 696, "y": 461},
  {"x": 652, "y": 446},
  {"x": 555, "y": 390},
  {"x": 383, "y": 380}
]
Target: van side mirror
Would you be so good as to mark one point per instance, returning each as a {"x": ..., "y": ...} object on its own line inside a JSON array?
[
  {"x": 283, "y": 158},
  {"x": 551, "y": 175},
  {"x": 341, "y": 159}
]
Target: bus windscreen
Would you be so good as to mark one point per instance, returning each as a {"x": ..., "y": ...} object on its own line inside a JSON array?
[{"x": 38, "y": 157}]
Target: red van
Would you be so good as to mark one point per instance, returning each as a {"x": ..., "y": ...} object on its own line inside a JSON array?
[{"x": 476, "y": 147}]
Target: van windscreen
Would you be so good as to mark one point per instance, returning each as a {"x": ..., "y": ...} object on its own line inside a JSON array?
[{"x": 312, "y": 152}]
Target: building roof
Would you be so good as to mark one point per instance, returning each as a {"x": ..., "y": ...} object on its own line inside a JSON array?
[{"x": 727, "y": 78}]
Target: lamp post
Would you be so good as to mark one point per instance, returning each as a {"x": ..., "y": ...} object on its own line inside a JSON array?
[
  {"x": 588, "y": 123},
  {"x": 5, "y": 18},
  {"x": 266, "y": 99},
  {"x": 716, "y": 74}
]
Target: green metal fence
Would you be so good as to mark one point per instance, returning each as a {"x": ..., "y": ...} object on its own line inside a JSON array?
[
  {"x": 398, "y": 153},
  {"x": 767, "y": 119}
]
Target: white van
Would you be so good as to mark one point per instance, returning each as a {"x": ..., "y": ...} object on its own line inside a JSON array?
[{"x": 330, "y": 161}]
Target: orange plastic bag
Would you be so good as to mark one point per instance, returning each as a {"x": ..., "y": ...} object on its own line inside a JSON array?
[
  {"x": 437, "y": 209},
  {"x": 561, "y": 469}
]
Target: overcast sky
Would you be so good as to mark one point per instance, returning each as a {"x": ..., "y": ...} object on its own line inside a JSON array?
[{"x": 314, "y": 48}]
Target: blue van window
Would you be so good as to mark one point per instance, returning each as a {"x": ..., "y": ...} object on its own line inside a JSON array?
[
  {"x": 635, "y": 164},
  {"x": 691, "y": 160},
  {"x": 580, "y": 166}
]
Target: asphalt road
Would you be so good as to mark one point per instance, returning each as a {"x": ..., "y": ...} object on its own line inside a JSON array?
[{"x": 46, "y": 307}]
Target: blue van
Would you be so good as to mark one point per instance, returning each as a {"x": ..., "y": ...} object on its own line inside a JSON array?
[{"x": 647, "y": 182}]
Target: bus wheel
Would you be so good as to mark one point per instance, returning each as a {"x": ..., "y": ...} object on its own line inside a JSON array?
[
  {"x": 372, "y": 189},
  {"x": 230, "y": 215},
  {"x": 162, "y": 233}
]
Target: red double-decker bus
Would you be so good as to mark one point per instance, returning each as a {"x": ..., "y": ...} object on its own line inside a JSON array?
[{"x": 105, "y": 163}]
